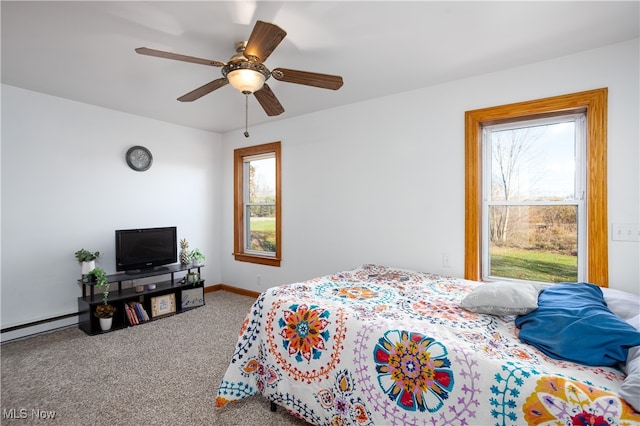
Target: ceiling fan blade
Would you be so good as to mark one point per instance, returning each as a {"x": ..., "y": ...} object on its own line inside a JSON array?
[
  {"x": 263, "y": 40},
  {"x": 203, "y": 90},
  {"x": 178, "y": 57},
  {"x": 324, "y": 81},
  {"x": 268, "y": 101}
]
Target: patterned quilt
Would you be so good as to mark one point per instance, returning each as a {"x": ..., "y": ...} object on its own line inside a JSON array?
[{"x": 385, "y": 346}]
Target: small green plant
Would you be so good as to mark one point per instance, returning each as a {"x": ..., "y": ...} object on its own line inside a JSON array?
[
  {"x": 197, "y": 255},
  {"x": 102, "y": 284},
  {"x": 86, "y": 256},
  {"x": 192, "y": 278}
]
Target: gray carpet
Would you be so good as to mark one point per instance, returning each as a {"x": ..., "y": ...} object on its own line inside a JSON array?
[{"x": 165, "y": 372}]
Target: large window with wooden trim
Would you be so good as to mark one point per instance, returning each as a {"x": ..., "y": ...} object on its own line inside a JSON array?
[
  {"x": 536, "y": 190},
  {"x": 257, "y": 204}
]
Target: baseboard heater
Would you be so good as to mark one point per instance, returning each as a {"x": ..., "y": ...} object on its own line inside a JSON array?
[{"x": 36, "y": 323}]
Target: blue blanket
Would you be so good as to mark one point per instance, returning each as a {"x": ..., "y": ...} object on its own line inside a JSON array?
[{"x": 573, "y": 323}]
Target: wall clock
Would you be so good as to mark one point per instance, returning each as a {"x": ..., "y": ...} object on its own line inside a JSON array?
[{"x": 139, "y": 158}]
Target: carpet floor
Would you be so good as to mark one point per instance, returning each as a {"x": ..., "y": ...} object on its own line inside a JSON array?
[{"x": 164, "y": 372}]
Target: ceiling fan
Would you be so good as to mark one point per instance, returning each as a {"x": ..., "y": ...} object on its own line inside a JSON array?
[{"x": 246, "y": 71}]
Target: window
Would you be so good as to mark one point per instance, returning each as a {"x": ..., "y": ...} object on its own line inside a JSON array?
[
  {"x": 532, "y": 205},
  {"x": 512, "y": 203},
  {"x": 257, "y": 204}
]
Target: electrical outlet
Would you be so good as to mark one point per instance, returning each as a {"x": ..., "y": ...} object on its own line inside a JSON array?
[
  {"x": 625, "y": 232},
  {"x": 445, "y": 260},
  {"x": 258, "y": 279}
]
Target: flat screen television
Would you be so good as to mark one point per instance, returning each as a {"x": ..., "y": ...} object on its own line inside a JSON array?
[{"x": 139, "y": 250}]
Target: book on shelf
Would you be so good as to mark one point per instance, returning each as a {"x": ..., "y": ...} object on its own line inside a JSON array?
[
  {"x": 144, "y": 312},
  {"x": 136, "y": 313},
  {"x": 139, "y": 312},
  {"x": 130, "y": 316}
]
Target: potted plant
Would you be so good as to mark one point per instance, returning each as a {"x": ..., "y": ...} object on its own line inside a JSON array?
[
  {"x": 104, "y": 311},
  {"x": 197, "y": 258},
  {"x": 192, "y": 278},
  {"x": 87, "y": 260}
]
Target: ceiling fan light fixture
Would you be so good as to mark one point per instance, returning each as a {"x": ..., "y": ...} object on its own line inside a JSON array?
[
  {"x": 246, "y": 81},
  {"x": 246, "y": 77}
]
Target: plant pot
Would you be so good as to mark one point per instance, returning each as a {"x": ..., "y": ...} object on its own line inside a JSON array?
[
  {"x": 105, "y": 323},
  {"x": 87, "y": 267}
]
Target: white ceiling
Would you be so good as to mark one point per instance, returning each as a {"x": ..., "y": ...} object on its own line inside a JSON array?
[{"x": 84, "y": 50}]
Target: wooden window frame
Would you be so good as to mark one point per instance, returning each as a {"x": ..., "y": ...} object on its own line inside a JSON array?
[
  {"x": 594, "y": 103},
  {"x": 238, "y": 202}
]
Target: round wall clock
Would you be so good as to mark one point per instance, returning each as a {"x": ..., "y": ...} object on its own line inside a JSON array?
[{"x": 139, "y": 158}]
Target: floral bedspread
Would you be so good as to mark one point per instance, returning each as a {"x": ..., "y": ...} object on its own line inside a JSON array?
[{"x": 384, "y": 346}]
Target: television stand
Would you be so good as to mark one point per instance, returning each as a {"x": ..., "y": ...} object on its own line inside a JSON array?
[{"x": 186, "y": 296}]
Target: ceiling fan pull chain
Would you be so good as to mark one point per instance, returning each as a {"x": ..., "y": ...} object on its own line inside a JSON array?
[{"x": 246, "y": 115}]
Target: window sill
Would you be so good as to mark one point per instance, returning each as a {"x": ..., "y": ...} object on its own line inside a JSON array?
[{"x": 262, "y": 260}]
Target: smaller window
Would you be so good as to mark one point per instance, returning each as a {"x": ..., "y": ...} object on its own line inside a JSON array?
[{"x": 257, "y": 204}]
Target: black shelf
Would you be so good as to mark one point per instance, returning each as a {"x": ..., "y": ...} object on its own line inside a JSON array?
[
  {"x": 123, "y": 276},
  {"x": 87, "y": 303}
]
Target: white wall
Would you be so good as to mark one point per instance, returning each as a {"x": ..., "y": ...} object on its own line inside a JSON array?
[
  {"x": 66, "y": 186},
  {"x": 375, "y": 182},
  {"x": 383, "y": 181}
]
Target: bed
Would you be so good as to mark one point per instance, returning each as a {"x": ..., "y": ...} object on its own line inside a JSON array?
[{"x": 387, "y": 346}]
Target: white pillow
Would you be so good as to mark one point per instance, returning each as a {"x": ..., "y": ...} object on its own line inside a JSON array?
[
  {"x": 503, "y": 298},
  {"x": 623, "y": 304},
  {"x": 630, "y": 389}
]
